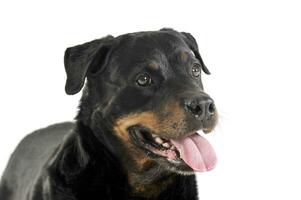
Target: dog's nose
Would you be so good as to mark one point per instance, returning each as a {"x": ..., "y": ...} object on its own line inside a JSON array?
[{"x": 201, "y": 107}]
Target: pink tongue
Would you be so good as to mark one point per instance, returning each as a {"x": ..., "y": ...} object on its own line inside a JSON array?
[{"x": 196, "y": 152}]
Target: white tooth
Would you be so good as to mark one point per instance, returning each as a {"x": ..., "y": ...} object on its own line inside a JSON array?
[
  {"x": 158, "y": 140},
  {"x": 166, "y": 145}
]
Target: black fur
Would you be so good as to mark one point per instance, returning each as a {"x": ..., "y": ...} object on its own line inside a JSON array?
[{"x": 86, "y": 159}]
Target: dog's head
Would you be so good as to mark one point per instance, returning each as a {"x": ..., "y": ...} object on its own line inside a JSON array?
[{"x": 146, "y": 87}]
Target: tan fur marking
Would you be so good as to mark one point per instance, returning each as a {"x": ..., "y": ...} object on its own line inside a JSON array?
[
  {"x": 184, "y": 56},
  {"x": 174, "y": 123},
  {"x": 147, "y": 119},
  {"x": 153, "y": 66},
  {"x": 163, "y": 127},
  {"x": 120, "y": 128}
]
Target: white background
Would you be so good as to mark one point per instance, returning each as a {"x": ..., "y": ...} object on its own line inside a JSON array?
[{"x": 251, "y": 47}]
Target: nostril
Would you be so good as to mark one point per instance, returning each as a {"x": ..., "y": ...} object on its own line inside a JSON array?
[
  {"x": 211, "y": 108},
  {"x": 198, "y": 110},
  {"x": 195, "y": 109}
]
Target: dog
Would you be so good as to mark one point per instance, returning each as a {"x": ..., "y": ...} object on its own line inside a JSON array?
[{"x": 136, "y": 132}]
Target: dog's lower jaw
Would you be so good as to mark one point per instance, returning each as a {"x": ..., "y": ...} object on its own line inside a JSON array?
[
  {"x": 154, "y": 179},
  {"x": 149, "y": 179},
  {"x": 145, "y": 176}
]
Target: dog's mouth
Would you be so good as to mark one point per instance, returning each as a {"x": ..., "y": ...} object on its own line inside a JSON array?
[{"x": 192, "y": 150}]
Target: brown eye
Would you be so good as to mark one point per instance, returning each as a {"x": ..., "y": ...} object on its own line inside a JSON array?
[
  {"x": 196, "y": 70},
  {"x": 143, "y": 80}
]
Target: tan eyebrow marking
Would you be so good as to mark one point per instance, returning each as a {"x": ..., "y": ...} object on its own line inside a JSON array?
[
  {"x": 153, "y": 66},
  {"x": 184, "y": 56}
]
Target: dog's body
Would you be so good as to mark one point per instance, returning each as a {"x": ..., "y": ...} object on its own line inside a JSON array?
[{"x": 122, "y": 145}]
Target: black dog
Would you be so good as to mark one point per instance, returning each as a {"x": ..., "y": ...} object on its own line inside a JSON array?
[{"x": 135, "y": 133}]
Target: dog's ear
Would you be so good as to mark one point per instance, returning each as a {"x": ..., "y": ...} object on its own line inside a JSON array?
[
  {"x": 83, "y": 59},
  {"x": 190, "y": 40}
]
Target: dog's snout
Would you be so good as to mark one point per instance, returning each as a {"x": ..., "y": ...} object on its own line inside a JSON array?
[{"x": 201, "y": 107}]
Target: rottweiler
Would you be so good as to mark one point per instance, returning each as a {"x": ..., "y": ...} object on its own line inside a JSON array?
[{"x": 137, "y": 131}]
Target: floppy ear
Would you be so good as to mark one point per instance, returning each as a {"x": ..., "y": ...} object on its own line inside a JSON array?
[
  {"x": 189, "y": 39},
  {"x": 84, "y": 58}
]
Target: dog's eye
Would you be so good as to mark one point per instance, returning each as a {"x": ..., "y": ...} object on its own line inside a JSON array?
[
  {"x": 196, "y": 70},
  {"x": 143, "y": 80}
]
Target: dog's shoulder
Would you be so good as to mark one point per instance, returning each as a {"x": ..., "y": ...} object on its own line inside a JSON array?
[
  {"x": 31, "y": 155},
  {"x": 36, "y": 144},
  {"x": 42, "y": 140}
]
